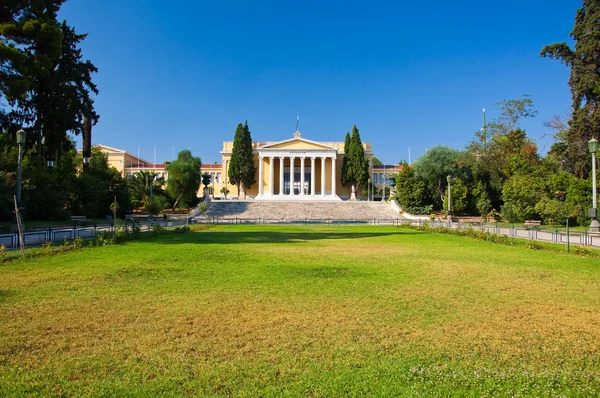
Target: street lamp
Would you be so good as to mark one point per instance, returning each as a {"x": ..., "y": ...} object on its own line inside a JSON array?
[
  {"x": 448, "y": 179},
  {"x": 151, "y": 213},
  {"x": 21, "y": 137},
  {"x": 384, "y": 184},
  {"x": 370, "y": 188},
  {"x": 593, "y": 212}
]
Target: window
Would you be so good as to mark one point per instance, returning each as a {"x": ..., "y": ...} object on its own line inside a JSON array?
[
  {"x": 218, "y": 177},
  {"x": 128, "y": 174}
]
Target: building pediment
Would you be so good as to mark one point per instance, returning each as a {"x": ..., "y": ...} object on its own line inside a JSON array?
[{"x": 296, "y": 143}]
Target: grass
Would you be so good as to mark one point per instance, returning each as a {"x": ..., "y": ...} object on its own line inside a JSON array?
[{"x": 301, "y": 311}]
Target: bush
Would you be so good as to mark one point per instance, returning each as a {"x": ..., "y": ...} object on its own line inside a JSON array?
[{"x": 424, "y": 210}]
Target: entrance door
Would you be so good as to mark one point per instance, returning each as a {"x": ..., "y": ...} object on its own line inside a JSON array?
[{"x": 297, "y": 188}]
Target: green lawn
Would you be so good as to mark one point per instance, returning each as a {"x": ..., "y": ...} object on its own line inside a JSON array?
[{"x": 301, "y": 311}]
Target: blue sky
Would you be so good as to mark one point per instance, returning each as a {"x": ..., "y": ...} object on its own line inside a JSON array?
[{"x": 184, "y": 74}]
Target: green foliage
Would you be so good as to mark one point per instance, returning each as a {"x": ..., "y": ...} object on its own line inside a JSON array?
[
  {"x": 433, "y": 167},
  {"x": 419, "y": 210},
  {"x": 95, "y": 188},
  {"x": 579, "y": 198},
  {"x": 347, "y": 142},
  {"x": 203, "y": 207},
  {"x": 584, "y": 82},
  {"x": 376, "y": 161},
  {"x": 357, "y": 166},
  {"x": 511, "y": 113},
  {"x": 184, "y": 179},
  {"x": 552, "y": 211},
  {"x": 242, "y": 170},
  {"x": 139, "y": 184},
  {"x": 459, "y": 197},
  {"x": 43, "y": 78},
  {"x": 520, "y": 195},
  {"x": 410, "y": 191},
  {"x": 155, "y": 206},
  {"x": 483, "y": 205}
]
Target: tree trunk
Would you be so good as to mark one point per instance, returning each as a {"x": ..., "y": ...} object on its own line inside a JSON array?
[
  {"x": 242, "y": 192},
  {"x": 176, "y": 202},
  {"x": 353, "y": 194},
  {"x": 87, "y": 140}
]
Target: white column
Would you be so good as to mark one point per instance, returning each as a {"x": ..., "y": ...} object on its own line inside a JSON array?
[
  {"x": 312, "y": 176},
  {"x": 260, "y": 176},
  {"x": 302, "y": 176},
  {"x": 333, "y": 181},
  {"x": 292, "y": 159},
  {"x": 271, "y": 175},
  {"x": 323, "y": 175},
  {"x": 281, "y": 158}
]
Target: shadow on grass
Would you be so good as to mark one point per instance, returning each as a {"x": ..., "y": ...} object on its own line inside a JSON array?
[{"x": 231, "y": 237}]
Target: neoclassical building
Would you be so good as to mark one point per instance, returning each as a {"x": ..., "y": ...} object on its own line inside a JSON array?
[
  {"x": 292, "y": 169},
  {"x": 296, "y": 169}
]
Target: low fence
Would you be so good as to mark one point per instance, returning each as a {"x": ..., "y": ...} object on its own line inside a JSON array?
[
  {"x": 38, "y": 237},
  {"x": 32, "y": 238},
  {"x": 532, "y": 233},
  {"x": 535, "y": 233}
]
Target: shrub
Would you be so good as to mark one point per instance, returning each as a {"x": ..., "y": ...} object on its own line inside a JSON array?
[
  {"x": 158, "y": 230},
  {"x": 582, "y": 251}
]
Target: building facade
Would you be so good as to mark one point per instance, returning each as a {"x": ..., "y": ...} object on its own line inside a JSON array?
[{"x": 292, "y": 169}]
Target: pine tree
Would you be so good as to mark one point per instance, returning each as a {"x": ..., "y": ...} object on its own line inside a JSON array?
[
  {"x": 345, "y": 161},
  {"x": 43, "y": 78},
  {"x": 584, "y": 61},
  {"x": 357, "y": 171},
  {"x": 242, "y": 171}
]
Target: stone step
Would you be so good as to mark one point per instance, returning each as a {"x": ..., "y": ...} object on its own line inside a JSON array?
[{"x": 289, "y": 210}]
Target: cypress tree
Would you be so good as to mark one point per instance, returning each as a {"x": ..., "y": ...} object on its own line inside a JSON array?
[
  {"x": 584, "y": 61},
  {"x": 242, "y": 171},
  {"x": 345, "y": 161},
  {"x": 357, "y": 165}
]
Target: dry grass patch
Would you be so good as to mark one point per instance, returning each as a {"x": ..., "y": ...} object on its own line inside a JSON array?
[{"x": 382, "y": 313}]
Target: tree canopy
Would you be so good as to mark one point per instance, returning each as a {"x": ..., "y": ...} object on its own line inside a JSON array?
[
  {"x": 45, "y": 81},
  {"x": 433, "y": 167},
  {"x": 184, "y": 179},
  {"x": 584, "y": 81},
  {"x": 357, "y": 166},
  {"x": 242, "y": 170}
]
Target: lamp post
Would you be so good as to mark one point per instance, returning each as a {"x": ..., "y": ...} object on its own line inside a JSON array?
[
  {"x": 21, "y": 137},
  {"x": 448, "y": 179},
  {"x": 151, "y": 213},
  {"x": 370, "y": 188},
  {"x": 384, "y": 184},
  {"x": 593, "y": 212}
]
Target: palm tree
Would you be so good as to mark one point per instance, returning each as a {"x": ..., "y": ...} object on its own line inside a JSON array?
[{"x": 139, "y": 186}]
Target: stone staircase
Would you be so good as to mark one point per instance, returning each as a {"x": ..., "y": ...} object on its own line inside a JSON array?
[{"x": 290, "y": 210}]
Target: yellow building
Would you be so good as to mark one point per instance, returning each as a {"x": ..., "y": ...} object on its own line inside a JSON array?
[{"x": 293, "y": 169}]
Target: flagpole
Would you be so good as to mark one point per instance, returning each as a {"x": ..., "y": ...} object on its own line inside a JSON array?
[{"x": 484, "y": 131}]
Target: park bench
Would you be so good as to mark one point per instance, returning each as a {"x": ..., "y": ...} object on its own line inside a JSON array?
[{"x": 532, "y": 223}]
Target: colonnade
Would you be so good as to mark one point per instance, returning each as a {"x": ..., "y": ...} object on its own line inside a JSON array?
[{"x": 292, "y": 159}]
